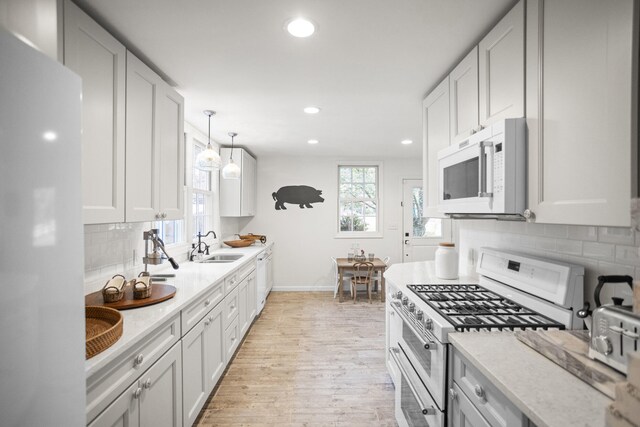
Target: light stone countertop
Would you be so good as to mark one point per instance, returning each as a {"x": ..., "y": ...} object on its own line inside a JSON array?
[
  {"x": 191, "y": 281},
  {"x": 545, "y": 392}
]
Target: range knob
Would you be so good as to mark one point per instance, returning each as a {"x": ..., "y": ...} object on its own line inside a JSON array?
[
  {"x": 398, "y": 295},
  {"x": 412, "y": 307},
  {"x": 405, "y": 301},
  {"x": 419, "y": 314},
  {"x": 603, "y": 345},
  {"x": 428, "y": 323}
]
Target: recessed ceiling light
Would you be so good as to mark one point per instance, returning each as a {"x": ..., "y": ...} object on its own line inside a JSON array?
[
  {"x": 300, "y": 27},
  {"x": 49, "y": 136},
  {"x": 311, "y": 110},
  {"x": 406, "y": 142},
  {"x": 313, "y": 141}
]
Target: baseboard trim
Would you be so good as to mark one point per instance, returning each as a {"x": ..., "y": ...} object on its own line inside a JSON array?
[{"x": 303, "y": 288}]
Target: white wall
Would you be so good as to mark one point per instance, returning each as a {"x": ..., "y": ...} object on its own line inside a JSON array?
[
  {"x": 305, "y": 239},
  {"x": 601, "y": 250}
]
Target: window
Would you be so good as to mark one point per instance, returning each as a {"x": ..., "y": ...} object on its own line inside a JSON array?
[
  {"x": 359, "y": 199},
  {"x": 198, "y": 200},
  {"x": 201, "y": 196},
  {"x": 423, "y": 227}
]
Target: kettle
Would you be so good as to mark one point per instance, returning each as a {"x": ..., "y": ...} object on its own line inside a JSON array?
[{"x": 585, "y": 313}]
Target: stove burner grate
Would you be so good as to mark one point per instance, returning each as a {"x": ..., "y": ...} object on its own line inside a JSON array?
[{"x": 469, "y": 307}]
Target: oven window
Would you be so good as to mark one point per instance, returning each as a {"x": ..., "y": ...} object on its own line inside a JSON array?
[
  {"x": 416, "y": 348},
  {"x": 410, "y": 406},
  {"x": 461, "y": 180}
]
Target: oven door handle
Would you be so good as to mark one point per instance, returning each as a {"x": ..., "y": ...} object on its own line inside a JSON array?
[
  {"x": 427, "y": 345},
  {"x": 426, "y": 410}
]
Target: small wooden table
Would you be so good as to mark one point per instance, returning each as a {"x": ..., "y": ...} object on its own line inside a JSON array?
[{"x": 345, "y": 265}]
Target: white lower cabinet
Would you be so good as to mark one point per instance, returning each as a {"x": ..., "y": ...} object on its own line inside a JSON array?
[
  {"x": 155, "y": 399},
  {"x": 231, "y": 339},
  {"x": 203, "y": 362},
  {"x": 475, "y": 401},
  {"x": 247, "y": 300},
  {"x": 463, "y": 413}
]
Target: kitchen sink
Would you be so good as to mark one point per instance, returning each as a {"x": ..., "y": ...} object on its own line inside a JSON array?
[{"x": 222, "y": 258}]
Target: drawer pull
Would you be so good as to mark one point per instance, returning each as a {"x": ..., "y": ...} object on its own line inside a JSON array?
[
  {"x": 139, "y": 359},
  {"x": 137, "y": 393},
  {"x": 207, "y": 303},
  {"x": 453, "y": 395},
  {"x": 147, "y": 384},
  {"x": 479, "y": 391}
]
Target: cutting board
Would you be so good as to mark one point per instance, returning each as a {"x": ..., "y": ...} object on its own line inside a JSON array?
[
  {"x": 570, "y": 349},
  {"x": 159, "y": 293}
]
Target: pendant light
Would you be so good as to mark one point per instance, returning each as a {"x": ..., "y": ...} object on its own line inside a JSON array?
[
  {"x": 209, "y": 159},
  {"x": 232, "y": 170}
]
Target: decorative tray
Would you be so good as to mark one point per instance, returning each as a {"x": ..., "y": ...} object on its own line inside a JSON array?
[
  {"x": 239, "y": 243},
  {"x": 103, "y": 329},
  {"x": 159, "y": 293}
]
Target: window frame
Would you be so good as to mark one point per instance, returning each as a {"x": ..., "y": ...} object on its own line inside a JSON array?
[{"x": 378, "y": 234}]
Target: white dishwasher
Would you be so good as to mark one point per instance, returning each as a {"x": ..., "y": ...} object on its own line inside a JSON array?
[{"x": 264, "y": 273}]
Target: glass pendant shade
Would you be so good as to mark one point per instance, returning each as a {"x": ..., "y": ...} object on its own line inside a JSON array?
[
  {"x": 231, "y": 170},
  {"x": 208, "y": 159}
]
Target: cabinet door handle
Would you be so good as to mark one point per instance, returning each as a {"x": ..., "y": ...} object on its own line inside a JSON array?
[
  {"x": 164, "y": 214},
  {"x": 139, "y": 359},
  {"x": 210, "y": 319},
  {"x": 453, "y": 394},
  {"x": 207, "y": 303},
  {"x": 479, "y": 391},
  {"x": 158, "y": 215},
  {"x": 206, "y": 322},
  {"x": 147, "y": 384},
  {"x": 137, "y": 392}
]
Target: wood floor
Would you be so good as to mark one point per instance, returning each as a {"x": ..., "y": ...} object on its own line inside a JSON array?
[{"x": 309, "y": 361}]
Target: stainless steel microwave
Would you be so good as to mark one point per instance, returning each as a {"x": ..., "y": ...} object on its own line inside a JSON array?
[{"x": 485, "y": 175}]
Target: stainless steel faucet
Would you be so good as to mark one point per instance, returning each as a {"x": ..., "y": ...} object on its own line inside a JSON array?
[{"x": 198, "y": 246}]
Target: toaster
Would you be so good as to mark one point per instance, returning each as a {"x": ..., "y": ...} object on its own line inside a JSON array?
[{"x": 615, "y": 332}]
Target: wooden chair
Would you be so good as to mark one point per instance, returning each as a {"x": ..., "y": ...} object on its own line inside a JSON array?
[
  {"x": 377, "y": 278},
  {"x": 363, "y": 275},
  {"x": 336, "y": 283}
]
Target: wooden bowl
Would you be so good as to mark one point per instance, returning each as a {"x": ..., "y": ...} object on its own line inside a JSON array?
[
  {"x": 239, "y": 243},
  {"x": 103, "y": 329}
]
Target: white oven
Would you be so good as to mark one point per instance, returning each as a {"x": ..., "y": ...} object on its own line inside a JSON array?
[
  {"x": 485, "y": 174},
  {"x": 421, "y": 362}
]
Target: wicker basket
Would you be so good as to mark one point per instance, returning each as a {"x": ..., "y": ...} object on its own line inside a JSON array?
[
  {"x": 239, "y": 243},
  {"x": 141, "y": 287},
  {"x": 103, "y": 329},
  {"x": 113, "y": 290}
]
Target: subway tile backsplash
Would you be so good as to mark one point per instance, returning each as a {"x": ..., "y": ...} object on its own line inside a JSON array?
[{"x": 601, "y": 250}]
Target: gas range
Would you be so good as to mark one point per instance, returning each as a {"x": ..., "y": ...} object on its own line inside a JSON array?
[
  {"x": 514, "y": 291},
  {"x": 471, "y": 307}
]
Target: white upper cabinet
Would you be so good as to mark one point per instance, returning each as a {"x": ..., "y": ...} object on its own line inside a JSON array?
[
  {"x": 99, "y": 59},
  {"x": 154, "y": 154},
  {"x": 581, "y": 110},
  {"x": 238, "y": 196},
  {"x": 171, "y": 154},
  {"x": 501, "y": 69},
  {"x": 435, "y": 137},
  {"x": 463, "y": 95}
]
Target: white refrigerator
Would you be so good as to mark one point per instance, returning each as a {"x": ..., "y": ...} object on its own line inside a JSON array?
[{"x": 42, "y": 379}]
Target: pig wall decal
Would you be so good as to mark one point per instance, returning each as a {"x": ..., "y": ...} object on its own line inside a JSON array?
[{"x": 301, "y": 195}]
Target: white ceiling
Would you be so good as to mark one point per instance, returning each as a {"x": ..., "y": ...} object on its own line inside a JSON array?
[{"x": 368, "y": 65}]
